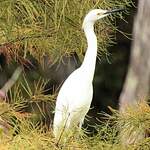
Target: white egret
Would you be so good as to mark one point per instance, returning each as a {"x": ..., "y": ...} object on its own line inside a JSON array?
[{"x": 75, "y": 96}]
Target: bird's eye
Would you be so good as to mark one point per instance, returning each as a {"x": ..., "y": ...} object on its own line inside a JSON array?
[{"x": 99, "y": 14}]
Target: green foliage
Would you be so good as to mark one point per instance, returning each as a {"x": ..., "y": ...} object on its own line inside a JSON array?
[
  {"x": 46, "y": 27},
  {"x": 31, "y": 137},
  {"x": 134, "y": 124},
  {"x": 53, "y": 28}
]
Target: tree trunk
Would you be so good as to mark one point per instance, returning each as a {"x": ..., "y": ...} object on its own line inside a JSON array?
[{"x": 137, "y": 84}]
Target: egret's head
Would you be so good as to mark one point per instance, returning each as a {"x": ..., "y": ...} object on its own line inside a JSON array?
[{"x": 97, "y": 14}]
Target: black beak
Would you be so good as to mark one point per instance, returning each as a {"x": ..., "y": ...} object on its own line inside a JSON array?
[{"x": 114, "y": 11}]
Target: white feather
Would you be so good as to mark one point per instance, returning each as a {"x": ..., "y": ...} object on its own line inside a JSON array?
[{"x": 75, "y": 96}]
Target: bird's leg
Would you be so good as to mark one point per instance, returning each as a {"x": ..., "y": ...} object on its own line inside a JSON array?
[
  {"x": 63, "y": 129},
  {"x": 81, "y": 123}
]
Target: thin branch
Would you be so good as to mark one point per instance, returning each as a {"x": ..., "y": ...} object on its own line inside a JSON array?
[
  {"x": 8, "y": 85},
  {"x": 25, "y": 38}
]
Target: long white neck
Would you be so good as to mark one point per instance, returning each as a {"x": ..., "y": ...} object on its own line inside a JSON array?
[{"x": 89, "y": 62}]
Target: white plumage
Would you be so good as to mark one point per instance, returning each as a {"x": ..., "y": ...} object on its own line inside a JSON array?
[{"x": 75, "y": 96}]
